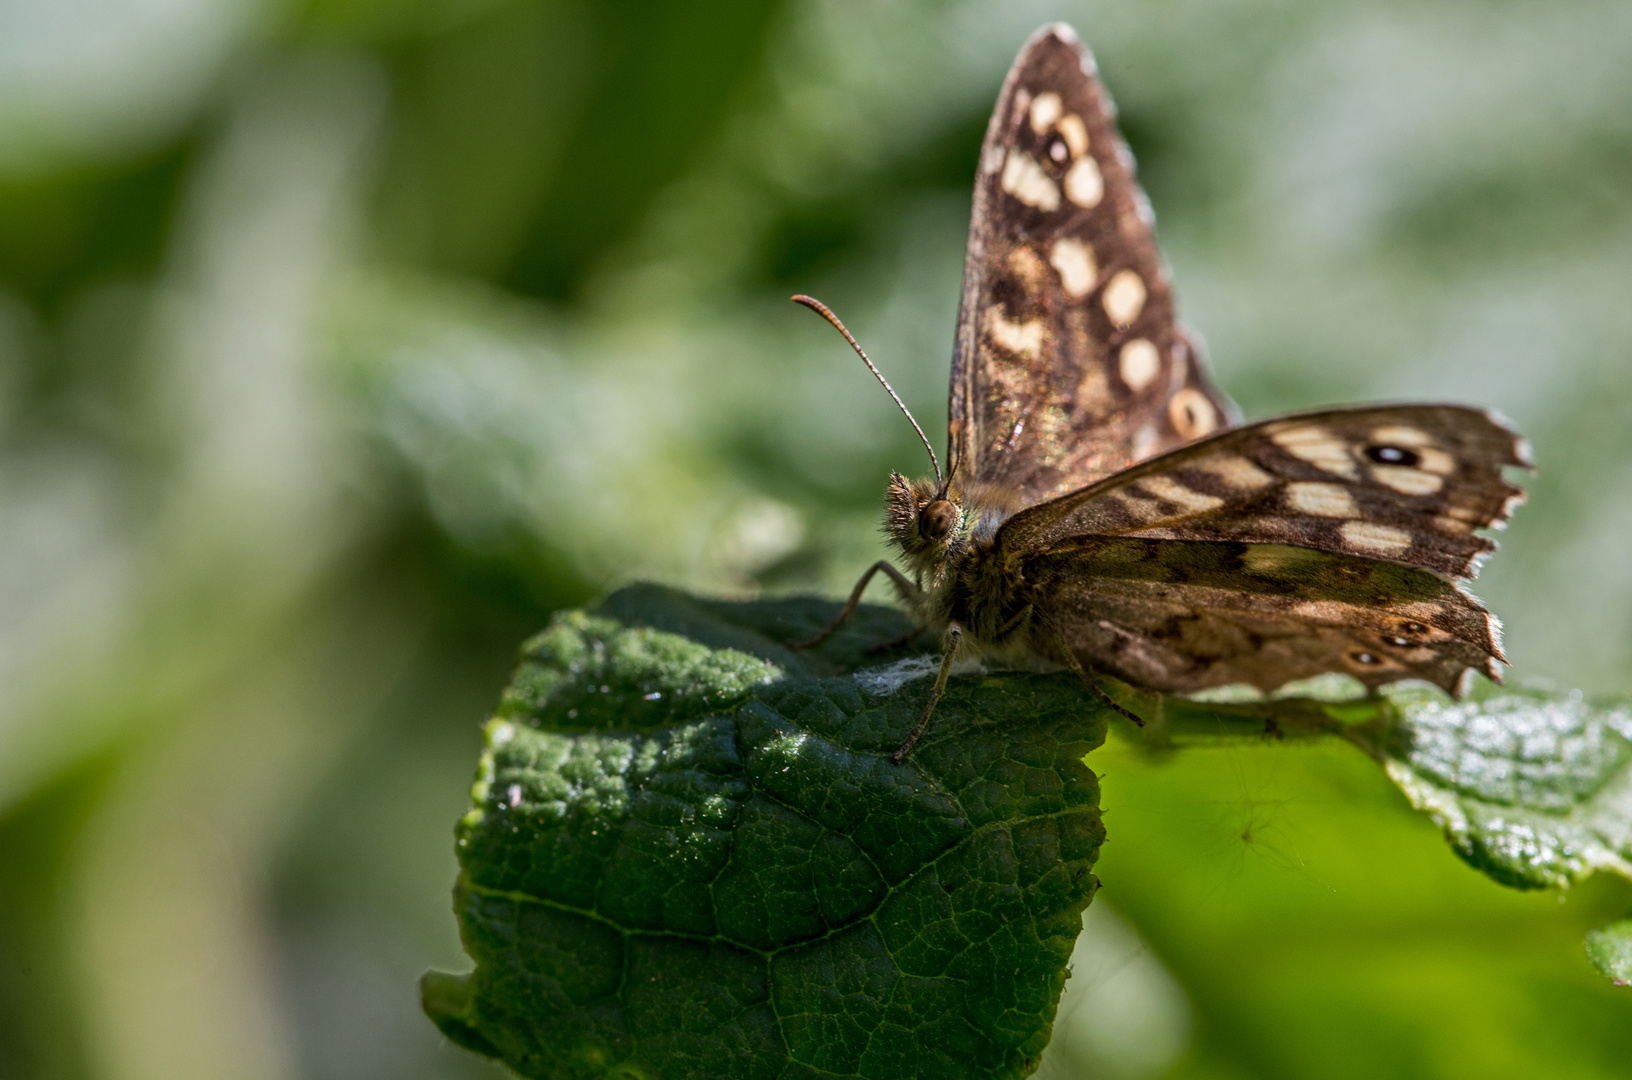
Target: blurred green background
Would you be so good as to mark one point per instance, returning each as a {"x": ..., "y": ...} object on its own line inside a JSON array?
[{"x": 343, "y": 341}]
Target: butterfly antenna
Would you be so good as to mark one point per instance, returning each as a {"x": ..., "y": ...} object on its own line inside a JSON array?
[
  {"x": 822, "y": 309},
  {"x": 951, "y": 474}
]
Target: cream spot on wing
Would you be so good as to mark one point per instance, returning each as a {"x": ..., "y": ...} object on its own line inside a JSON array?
[
  {"x": 1045, "y": 109},
  {"x": 1136, "y": 504},
  {"x": 1124, "y": 298},
  {"x": 1025, "y": 180},
  {"x": 991, "y": 162},
  {"x": 1436, "y": 461},
  {"x": 1191, "y": 413},
  {"x": 1375, "y": 539},
  {"x": 1145, "y": 441},
  {"x": 1274, "y": 558},
  {"x": 1139, "y": 364},
  {"x": 1322, "y": 500},
  {"x": 1452, "y": 525},
  {"x": 1094, "y": 388},
  {"x": 1074, "y": 133},
  {"x": 1406, "y": 480},
  {"x": 1236, "y": 471},
  {"x": 1083, "y": 184},
  {"x": 1319, "y": 611},
  {"x": 1026, "y": 266},
  {"x": 1023, "y": 339},
  {"x": 1188, "y": 499},
  {"x": 1400, "y": 435},
  {"x": 1319, "y": 447},
  {"x": 1075, "y": 262},
  {"x": 1264, "y": 558}
]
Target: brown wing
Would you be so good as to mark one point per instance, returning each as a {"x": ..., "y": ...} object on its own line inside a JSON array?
[
  {"x": 1180, "y": 616},
  {"x": 1404, "y": 483},
  {"x": 1068, "y": 364}
]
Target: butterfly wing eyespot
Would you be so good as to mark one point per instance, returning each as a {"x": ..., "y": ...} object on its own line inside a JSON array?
[
  {"x": 1191, "y": 414},
  {"x": 1392, "y": 455}
]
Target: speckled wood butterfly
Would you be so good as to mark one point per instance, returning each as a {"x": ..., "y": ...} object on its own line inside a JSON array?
[{"x": 1100, "y": 511}]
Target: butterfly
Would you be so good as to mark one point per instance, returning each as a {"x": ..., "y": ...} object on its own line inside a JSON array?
[{"x": 1102, "y": 509}]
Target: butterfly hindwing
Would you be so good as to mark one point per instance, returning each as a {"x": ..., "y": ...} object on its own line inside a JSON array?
[
  {"x": 1181, "y": 616},
  {"x": 1403, "y": 483},
  {"x": 1069, "y": 364}
]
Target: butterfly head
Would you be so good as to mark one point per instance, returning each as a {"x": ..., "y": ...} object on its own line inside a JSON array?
[{"x": 922, "y": 518}]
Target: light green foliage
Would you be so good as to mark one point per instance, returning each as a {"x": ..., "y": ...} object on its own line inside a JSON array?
[
  {"x": 1534, "y": 789},
  {"x": 1611, "y": 950}
]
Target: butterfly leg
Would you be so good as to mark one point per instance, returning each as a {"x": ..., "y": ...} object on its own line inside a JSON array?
[
  {"x": 855, "y": 601},
  {"x": 954, "y": 634},
  {"x": 1075, "y": 665}
]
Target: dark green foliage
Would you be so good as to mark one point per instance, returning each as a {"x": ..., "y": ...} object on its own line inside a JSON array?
[{"x": 734, "y": 880}]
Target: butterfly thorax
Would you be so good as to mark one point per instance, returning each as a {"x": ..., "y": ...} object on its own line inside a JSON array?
[{"x": 948, "y": 540}]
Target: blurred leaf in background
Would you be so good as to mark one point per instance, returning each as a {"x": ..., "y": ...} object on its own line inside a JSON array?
[{"x": 342, "y": 341}]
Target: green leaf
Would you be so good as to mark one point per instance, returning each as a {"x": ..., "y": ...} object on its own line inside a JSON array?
[
  {"x": 690, "y": 855},
  {"x": 1533, "y": 788},
  {"x": 1610, "y": 950}
]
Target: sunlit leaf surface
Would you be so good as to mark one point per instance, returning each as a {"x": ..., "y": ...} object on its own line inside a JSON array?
[
  {"x": 1611, "y": 950},
  {"x": 1532, "y": 788}
]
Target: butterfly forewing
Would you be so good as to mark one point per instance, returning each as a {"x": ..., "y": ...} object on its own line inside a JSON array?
[
  {"x": 1403, "y": 483},
  {"x": 1069, "y": 364}
]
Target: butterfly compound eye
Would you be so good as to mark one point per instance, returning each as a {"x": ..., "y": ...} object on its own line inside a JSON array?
[{"x": 935, "y": 520}]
